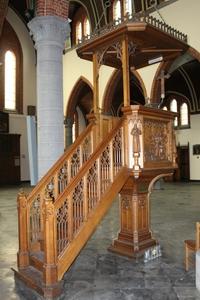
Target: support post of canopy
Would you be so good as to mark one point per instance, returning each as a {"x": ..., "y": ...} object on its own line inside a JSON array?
[
  {"x": 95, "y": 82},
  {"x": 125, "y": 70}
]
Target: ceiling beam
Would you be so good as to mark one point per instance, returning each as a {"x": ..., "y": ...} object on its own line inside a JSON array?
[{"x": 3, "y": 12}]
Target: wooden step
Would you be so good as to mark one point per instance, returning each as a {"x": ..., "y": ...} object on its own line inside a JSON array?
[
  {"x": 31, "y": 277},
  {"x": 34, "y": 280},
  {"x": 36, "y": 260}
]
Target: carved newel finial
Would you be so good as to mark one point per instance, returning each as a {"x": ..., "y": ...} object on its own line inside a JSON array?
[{"x": 21, "y": 199}]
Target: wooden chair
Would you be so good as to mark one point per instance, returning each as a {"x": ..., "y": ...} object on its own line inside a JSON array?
[{"x": 191, "y": 246}]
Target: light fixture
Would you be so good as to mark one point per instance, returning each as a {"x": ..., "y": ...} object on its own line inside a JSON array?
[{"x": 155, "y": 60}]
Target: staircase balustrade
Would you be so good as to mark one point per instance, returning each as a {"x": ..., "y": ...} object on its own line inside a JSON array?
[{"x": 56, "y": 220}]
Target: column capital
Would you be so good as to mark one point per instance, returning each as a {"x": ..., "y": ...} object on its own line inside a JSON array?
[{"x": 49, "y": 30}]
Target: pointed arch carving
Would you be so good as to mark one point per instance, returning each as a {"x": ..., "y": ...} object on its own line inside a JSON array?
[{"x": 82, "y": 85}]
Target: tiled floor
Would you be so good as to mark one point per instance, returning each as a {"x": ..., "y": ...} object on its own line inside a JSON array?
[{"x": 101, "y": 275}]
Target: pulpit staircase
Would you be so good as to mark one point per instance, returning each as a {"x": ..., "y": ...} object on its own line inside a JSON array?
[
  {"x": 111, "y": 156},
  {"x": 63, "y": 210}
]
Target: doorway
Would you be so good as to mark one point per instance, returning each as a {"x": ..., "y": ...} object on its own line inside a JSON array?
[{"x": 183, "y": 172}]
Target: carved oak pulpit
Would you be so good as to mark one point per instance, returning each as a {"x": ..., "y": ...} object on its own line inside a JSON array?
[
  {"x": 151, "y": 154},
  {"x": 149, "y": 146}
]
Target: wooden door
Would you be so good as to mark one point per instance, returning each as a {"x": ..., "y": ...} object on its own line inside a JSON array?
[{"x": 183, "y": 172}]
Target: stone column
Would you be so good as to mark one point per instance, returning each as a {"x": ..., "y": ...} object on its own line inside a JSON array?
[
  {"x": 68, "y": 131},
  {"x": 49, "y": 34},
  {"x": 198, "y": 270}
]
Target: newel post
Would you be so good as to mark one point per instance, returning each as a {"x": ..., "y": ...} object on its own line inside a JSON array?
[
  {"x": 50, "y": 269},
  {"x": 22, "y": 255}
]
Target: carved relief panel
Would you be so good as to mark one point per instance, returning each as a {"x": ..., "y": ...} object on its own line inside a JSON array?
[{"x": 156, "y": 141}]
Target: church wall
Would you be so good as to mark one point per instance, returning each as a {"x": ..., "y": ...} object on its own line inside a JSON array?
[
  {"x": 191, "y": 136},
  {"x": 18, "y": 122},
  {"x": 184, "y": 16},
  {"x": 82, "y": 68},
  {"x": 73, "y": 69}
]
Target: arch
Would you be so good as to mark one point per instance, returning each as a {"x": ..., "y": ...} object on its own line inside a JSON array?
[
  {"x": 110, "y": 89},
  {"x": 9, "y": 42},
  {"x": 89, "y": 9},
  {"x": 156, "y": 179},
  {"x": 140, "y": 81},
  {"x": 111, "y": 101},
  {"x": 81, "y": 89},
  {"x": 193, "y": 52},
  {"x": 165, "y": 66}
]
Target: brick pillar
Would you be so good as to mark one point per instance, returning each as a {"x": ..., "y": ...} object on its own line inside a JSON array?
[
  {"x": 49, "y": 33},
  {"x": 52, "y": 8}
]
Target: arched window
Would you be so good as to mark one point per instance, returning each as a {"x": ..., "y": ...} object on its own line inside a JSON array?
[
  {"x": 11, "y": 71},
  {"x": 81, "y": 22},
  {"x": 116, "y": 10},
  {"x": 78, "y": 31},
  {"x": 173, "y": 107},
  {"x": 10, "y": 81},
  {"x": 128, "y": 7},
  {"x": 178, "y": 104},
  {"x": 184, "y": 120},
  {"x": 86, "y": 27}
]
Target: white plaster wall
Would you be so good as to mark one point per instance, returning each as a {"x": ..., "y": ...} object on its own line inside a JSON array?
[
  {"x": 18, "y": 122},
  {"x": 73, "y": 69},
  {"x": 184, "y": 16},
  {"x": 147, "y": 74},
  {"x": 191, "y": 136}
]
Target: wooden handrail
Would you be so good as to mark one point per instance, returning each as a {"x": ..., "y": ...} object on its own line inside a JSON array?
[
  {"x": 59, "y": 177},
  {"x": 45, "y": 180},
  {"x": 87, "y": 189},
  {"x": 89, "y": 164}
]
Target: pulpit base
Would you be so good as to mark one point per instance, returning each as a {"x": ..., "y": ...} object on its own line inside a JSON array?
[{"x": 124, "y": 246}]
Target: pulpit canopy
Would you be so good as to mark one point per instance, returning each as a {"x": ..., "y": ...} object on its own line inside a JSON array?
[{"x": 148, "y": 40}]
